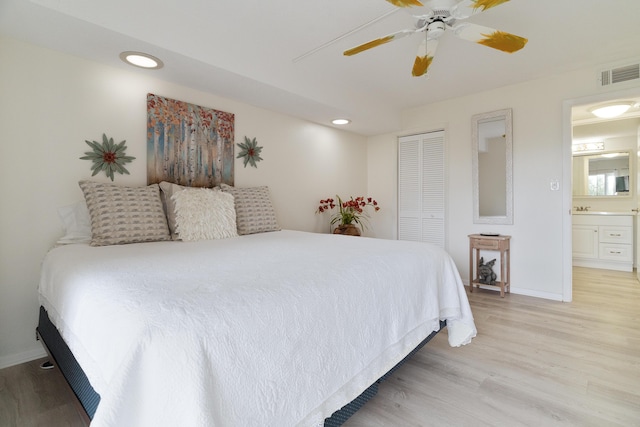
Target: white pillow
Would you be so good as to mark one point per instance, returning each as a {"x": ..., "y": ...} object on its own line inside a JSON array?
[
  {"x": 204, "y": 214},
  {"x": 76, "y": 223}
]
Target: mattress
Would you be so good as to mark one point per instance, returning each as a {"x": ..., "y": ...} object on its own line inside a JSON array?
[{"x": 278, "y": 328}]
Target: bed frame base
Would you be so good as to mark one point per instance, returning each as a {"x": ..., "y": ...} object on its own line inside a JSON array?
[
  {"x": 343, "y": 414},
  {"x": 88, "y": 399},
  {"x": 61, "y": 356}
]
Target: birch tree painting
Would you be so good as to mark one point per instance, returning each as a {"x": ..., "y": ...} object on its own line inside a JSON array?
[{"x": 188, "y": 144}]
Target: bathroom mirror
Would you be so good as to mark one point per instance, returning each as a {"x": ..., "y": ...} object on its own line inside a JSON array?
[
  {"x": 604, "y": 174},
  {"x": 492, "y": 148}
]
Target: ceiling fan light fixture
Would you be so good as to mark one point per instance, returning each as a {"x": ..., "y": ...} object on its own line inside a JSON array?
[
  {"x": 142, "y": 60},
  {"x": 436, "y": 29},
  {"x": 340, "y": 122},
  {"x": 611, "y": 109}
]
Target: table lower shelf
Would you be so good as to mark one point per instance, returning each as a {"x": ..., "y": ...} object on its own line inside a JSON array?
[{"x": 504, "y": 287}]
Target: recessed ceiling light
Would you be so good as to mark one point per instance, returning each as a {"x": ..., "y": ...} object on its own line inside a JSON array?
[
  {"x": 611, "y": 109},
  {"x": 340, "y": 121},
  {"x": 142, "y": 60}
]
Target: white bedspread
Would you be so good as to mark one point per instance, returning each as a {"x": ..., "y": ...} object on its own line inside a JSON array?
[{"x": 271, "y": 329}]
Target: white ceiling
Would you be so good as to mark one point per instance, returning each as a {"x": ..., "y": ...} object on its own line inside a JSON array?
[{"x": 245, "y": 50}]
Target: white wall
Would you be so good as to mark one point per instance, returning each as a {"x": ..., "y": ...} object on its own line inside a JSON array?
[
  {"x": 382, "y": 156},
  {"x": 537, "y": 232},
  {"x": 51, "y": 102}
]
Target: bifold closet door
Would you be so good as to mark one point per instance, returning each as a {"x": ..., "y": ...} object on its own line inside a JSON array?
[{"x": 421, "y": 188}]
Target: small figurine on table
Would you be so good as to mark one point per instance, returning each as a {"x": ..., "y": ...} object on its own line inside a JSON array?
[{"x": 485, "y": 272}]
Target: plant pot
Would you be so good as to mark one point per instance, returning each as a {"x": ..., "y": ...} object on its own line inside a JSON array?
[{"x": 347, "y": 229}]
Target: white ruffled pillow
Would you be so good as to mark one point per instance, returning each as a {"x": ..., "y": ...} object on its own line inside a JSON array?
[{"x": 204, "y": 214}]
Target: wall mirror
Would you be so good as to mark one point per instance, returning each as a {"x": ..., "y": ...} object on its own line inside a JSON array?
[
  {"x": 604, "y": 174},
  {"x": 492, "y": 149}
]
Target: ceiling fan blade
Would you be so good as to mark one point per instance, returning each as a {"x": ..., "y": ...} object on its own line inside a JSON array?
[
  {"x": 405, "y": 3},
  {"x": 490, "y": 37},
  {"x": 378, "y": 42},
  {"x": 466, "y": 8},
  {"x": 424, "y": 58},
  {"x": 344, "y": 35}
]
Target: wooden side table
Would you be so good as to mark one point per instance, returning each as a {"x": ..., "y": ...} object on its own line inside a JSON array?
[{"x": 500, "y": 243}]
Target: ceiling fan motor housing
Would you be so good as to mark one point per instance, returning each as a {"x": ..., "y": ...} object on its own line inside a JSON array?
[{"x": 435, "y": 29}]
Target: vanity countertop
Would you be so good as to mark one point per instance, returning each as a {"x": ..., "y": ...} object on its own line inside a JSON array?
[{"x": 603, "y": 213}]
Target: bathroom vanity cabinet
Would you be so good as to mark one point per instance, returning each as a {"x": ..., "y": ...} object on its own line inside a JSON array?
[{"x": 603, "y": 240}]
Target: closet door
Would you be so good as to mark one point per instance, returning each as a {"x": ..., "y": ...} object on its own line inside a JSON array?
[{"x": 421, "y": 188}]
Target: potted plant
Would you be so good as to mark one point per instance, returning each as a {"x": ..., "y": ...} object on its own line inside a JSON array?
[{"x": 349, "y": 213}]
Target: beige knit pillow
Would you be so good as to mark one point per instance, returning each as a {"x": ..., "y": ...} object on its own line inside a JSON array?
[
  {"x": 254, "y": 210},
  {"x": 122, "y": 215},
  {"x": 167, "y": 190}
]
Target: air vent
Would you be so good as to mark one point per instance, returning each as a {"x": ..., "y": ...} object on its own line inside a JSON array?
[{"x": 614, "y": 76}]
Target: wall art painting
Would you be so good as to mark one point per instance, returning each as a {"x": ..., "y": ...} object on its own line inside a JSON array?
[{"x": 188, "y": 144}]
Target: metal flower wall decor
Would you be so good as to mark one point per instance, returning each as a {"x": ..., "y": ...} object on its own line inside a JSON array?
[
  {"x": 108, "y": 156},
  {"x": 250, "y": 152}
]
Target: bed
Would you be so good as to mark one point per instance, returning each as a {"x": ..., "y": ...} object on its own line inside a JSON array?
[{"x": 270, "y": 328}]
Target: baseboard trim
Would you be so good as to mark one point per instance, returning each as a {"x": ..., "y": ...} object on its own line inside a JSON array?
[
  {"x": 526, "y": 292},
  {"x": 22, "y": 357},
  {"x": 537, "y": 294},
  {"x": 607, "y": 265}
]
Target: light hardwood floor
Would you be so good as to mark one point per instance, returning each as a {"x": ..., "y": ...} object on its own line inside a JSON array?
[
  {"x": 30, "y": 397},
  {"x": 534, "y": 363}
]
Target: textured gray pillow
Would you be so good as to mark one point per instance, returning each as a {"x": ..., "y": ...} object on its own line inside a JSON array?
[
  {"x": 122, "y": 215},
  {"x": 168, "y": 190},
  {"x": 254, "y": 210}
]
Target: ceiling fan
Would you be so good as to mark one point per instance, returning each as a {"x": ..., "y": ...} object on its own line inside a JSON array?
[{"x": 434, "y": 17}]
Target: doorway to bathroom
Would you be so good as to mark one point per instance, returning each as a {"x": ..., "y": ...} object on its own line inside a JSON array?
[{"x": 591, "y": 134}]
